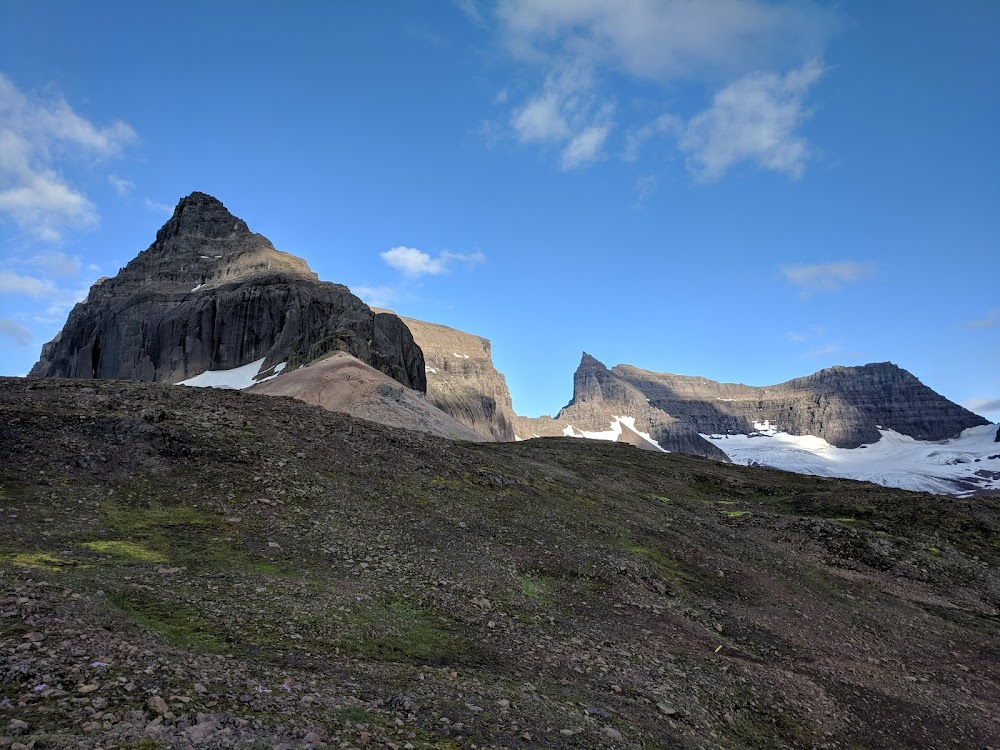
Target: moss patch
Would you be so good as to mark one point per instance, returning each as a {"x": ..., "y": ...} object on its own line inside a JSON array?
[
  {"x": 40, "y": 560},
  {"x": 126, "y": 550}
]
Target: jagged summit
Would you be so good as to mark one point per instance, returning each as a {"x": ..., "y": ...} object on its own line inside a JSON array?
[
  {"x": 202, "y": 215},
  {"x": 209, "y": 294}
]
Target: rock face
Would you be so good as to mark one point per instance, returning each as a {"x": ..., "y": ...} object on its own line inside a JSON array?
[
  {"x": 342, "y": 383},
  {"x": 599, "y": 396},
  {"x": 462, "y": 381},
  {"x": 843, "y": 405},
  {"x": 846, "y": 406},
  {"x": 209, "y": 294}
]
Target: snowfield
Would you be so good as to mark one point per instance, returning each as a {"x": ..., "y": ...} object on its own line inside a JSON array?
[
  {"x": 614, "y": 432},
  {"x": 238, "y": 378},
  {"x": 958, "y": 466}
]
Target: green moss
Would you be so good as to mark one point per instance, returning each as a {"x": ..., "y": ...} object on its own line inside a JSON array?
[
  {"x": 40, "y": 560},
  {"x": 536, "y": 587},
  {"x": 126, "y": 550},
  {"x": 397, "y": 630},
  {"x": 180, "y": 625},
  {"x": 934, "y": 551},
  {"x": 734, "y": 513}
]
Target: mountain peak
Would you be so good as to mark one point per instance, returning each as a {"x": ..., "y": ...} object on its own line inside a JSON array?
[{"x": 202, "y": 215}]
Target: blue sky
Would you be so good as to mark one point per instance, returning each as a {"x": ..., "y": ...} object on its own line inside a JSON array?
[{"x": 744, "y": 190}]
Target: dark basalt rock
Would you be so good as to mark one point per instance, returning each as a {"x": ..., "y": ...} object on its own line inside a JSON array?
[{"x": 209, "y": 294}]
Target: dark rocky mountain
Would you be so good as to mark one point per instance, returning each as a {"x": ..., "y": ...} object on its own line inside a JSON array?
[
  {"x": 209, "y": 294},
  {"x": 462, "y": 380},
  {"x": 599, "y": 396},
  {"x": 843, "y": 405}
]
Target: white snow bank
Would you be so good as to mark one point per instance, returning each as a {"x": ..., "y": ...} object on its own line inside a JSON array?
[
  {"x": 237, "y": 378},
  {"x": 613, "y": 432},
  {"x": 894, "y": 461}
]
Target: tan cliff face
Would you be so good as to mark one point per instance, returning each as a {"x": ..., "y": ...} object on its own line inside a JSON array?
[{"x": 462, "y": 380}]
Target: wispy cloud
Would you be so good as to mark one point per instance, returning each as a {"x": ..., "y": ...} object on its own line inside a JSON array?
[
  {"x": 799, "y": 337},
  {"x": 379, "y": 296},
  {"x": 36, "y": 136},
  {"x": 645, "y": 186},
  {"x": 826, "y": 277},
  {"x": 582, "y": 44},
  {"x": 29, "y": 286},
  {"x": 568, "y": 115},
  {"x": 122, "y": 186},
  {"x": 991, "y": 320},
  {"x": 160, "y": 208},
  {"x": 754, "y": 119},
  {"x": 52, "y": 264},
  {"x": 823, "y": 350},
  {"x": 414, "y": 263},
  {"x": 16, "y": 333}
]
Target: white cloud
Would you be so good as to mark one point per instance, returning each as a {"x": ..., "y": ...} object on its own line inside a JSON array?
[
  {"x": 55, "y": 264},
  {"x": 378, "y": 296},
  {"x": 645, "y": 186},
  {"x": 991, "y": 320},
  {"x": 668, "y": 40},
  {"x": 826, "y": 277},
  {"x": 160, "y": 208},
  {"x": 800, "y": 336},
  {"x": 16, "y": 332},
  {"x": 753, "y": 119},
  {"x": 36, "y": 136},
  {"x": 567, "y": 114},
  {"x": 581, "y": 44},
  {"x": 413, "y": 262},
  {"x": 122, "y": 186},
  {"x": 30, "y": 286}
]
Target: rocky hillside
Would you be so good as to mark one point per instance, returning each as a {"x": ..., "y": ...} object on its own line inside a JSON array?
[
  {"x": 209, "y": 294},
  {"x": 462, "y": 380},
  {"x": 846, "y": 406},
  {"x": 189, "y": 567}
]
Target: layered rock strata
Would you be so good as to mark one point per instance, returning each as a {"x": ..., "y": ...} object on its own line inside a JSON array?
[
  {"x": 209, "y": 294},
  {"x": 462, "y": 380},
  {"x": 846, "y": 406}
]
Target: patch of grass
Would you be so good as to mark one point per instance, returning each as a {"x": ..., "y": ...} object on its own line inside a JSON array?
[
  {"x": 397, "y": 630},
  {"x": 536, "y": 587},
  {"x": 180, "y": 625},
  {"x": 734, "y": 513},
  {"x": 40, "y": 560},
  {"x": 934, "y": 551},
  {"x": 356, "y": 715},
  {"x": 126, "y": 550},
  {"x": 662, "y": 499}
]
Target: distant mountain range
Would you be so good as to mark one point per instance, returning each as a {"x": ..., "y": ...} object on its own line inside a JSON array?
[{"x": 209, "y": 301}]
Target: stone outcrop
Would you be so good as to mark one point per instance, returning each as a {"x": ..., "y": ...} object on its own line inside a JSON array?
[
  {"x": 846, "y": 406},
  {"x": 462, "y": 380},
  {"x": 209, "y": 294}
]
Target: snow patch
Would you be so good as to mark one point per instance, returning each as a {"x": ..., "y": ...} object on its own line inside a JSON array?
[
  {"x": 237, "y": 378},
  {"x": 953, "y": 466},
  {"x": 460, "y": 356},
  {"x": 197, "y": 287},
  {"x": 613, "y": 432},
  {"x": 428, "y": 368}
]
